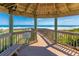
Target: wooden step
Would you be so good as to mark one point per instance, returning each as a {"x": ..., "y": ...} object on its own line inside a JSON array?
[{"x": 67, "y": 50}]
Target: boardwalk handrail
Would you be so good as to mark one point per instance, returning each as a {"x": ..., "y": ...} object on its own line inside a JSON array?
[
  {"x": 63, "y": 37},
  {"x": 5, "y": 34},
  {"x": 65, "y": 32},
  {"x": 18, "y": 38}
]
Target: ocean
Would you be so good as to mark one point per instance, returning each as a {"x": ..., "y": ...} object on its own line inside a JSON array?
[{"x": 60, "y": 27}]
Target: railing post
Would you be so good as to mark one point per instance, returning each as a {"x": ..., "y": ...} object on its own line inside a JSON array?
[
  {"x": 11, "y": 25},
  {"x": 55, "y": 30}
]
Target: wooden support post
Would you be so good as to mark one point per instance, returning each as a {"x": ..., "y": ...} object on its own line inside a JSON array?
[
  {"x": 55, "y": 30},
  {"x": 35, "y": 27},
  {"x": 11, "y": 26},
  {"x": 35, "y": 20}
]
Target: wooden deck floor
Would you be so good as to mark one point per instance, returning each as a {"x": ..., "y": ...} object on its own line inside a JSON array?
[{"x": 39, "y": 49}]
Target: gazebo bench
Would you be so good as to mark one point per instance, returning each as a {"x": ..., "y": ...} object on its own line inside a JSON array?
[{"x": 11, "y": 50}]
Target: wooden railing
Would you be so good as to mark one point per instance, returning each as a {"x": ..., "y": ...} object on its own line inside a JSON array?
[
  {"x": 49, "y": 34},
  {"x": 65, "y": 38},
  {"x": 24, "y": 37}
]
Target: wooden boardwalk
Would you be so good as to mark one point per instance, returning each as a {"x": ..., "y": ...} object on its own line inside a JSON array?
[{"x": 40, "y": 48}]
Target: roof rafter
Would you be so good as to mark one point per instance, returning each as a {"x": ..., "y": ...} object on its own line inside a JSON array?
[
  {"x": 8, "y": 5},
  {"x": 66, "y": 5},
  {"x": 56, "y": 12},
  {"x": 35, "y": 10},
  {"x": 41, "y": 9},
  {"x": 59, "y": 10},
  {"x": 27, "y": 8}
]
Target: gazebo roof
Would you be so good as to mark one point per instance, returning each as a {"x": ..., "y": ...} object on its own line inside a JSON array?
[{"x": 42, "y": 10}]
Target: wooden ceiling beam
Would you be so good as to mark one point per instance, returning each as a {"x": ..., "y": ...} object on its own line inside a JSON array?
[
  {"x": 27, "y": 8},
  {"x": 7, "y": 5},
  {"x": 66, "y": 5},
  {"x": 58, "y": 9},
  {"x": 35, "y": 10},
  {"x": 25, "y": 11}
]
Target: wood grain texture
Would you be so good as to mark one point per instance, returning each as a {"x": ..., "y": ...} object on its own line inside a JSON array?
[{"x": 43, "y": 10}]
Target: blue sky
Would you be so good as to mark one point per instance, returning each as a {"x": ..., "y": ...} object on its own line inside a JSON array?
[{"x": 20, "y": 20}]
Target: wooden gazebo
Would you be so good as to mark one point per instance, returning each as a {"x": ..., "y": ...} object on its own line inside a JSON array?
[{"x": 39, "y": 10}]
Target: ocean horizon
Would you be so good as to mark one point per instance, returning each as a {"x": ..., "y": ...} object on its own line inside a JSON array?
[
  {"x": 40, "y": 26},
  {"x": 60, "y": 27}
]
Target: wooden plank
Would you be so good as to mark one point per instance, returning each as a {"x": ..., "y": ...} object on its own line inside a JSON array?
[{"x": 10, "y": 51}]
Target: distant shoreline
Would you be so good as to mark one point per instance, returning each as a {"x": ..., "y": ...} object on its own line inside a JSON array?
[
  {"x": 40, "y": 26},
  {"x": 60, "y": 27}
]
